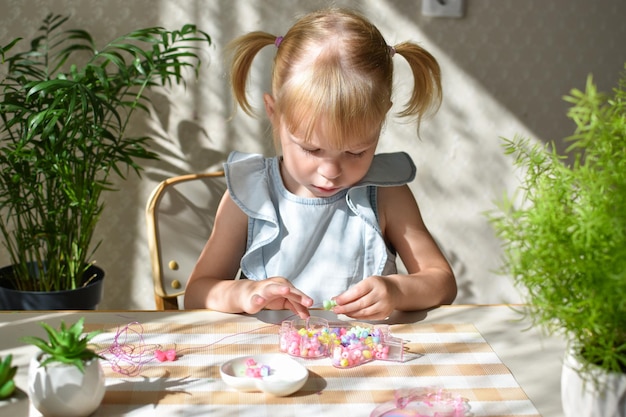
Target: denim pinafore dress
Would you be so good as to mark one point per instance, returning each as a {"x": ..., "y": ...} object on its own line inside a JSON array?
[{"x": 322, "y": 245}]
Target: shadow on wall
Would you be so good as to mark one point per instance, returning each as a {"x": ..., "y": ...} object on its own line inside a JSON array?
[
  {"x": 529, "y": 54},
  {"x": 524, "y": 56},
  {"x": 187, "y": 151}
]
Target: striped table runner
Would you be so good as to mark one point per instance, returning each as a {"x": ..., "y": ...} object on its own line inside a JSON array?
[{"x": 451, "y": 356}]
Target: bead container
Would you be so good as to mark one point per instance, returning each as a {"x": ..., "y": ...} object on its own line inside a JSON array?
[{"x": 346, "y": 344}]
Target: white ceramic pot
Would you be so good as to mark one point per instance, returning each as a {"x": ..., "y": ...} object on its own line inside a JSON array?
[
  {"x": 581, "y": 398},
  {"x": 62, "y": 390}
]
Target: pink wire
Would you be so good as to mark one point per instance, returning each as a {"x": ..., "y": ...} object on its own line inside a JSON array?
[{"x": 128, "y": 358}]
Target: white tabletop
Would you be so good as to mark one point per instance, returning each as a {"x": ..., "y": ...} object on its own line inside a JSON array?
[{"x": 533, "y": 358}]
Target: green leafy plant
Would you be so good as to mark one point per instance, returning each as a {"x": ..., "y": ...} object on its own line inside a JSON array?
[
  {"x": 565, "y": 236},
  {"x": 7, "y": 373},
  {"x": 66, "y": 345},
  {"x": 65, "y": 108}
]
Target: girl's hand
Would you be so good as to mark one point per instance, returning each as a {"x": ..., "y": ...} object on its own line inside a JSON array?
[
  {"x": 370, "y": 299},
  {"x": 277, "y": 293}
]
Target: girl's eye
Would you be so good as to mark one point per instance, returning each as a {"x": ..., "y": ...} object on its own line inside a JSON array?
[
  {"x": 356, "y": 154},
  {"x": 309, "y": 151}
]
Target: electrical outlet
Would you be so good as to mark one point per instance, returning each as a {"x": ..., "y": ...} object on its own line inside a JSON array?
[{"x": 443, "y": 8}]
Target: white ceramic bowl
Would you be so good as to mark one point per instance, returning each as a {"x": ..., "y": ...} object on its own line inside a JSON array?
[{"x": 286, "y": 374}]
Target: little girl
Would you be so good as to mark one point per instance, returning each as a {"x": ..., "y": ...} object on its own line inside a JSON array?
[{"x": 325, "y": 219}]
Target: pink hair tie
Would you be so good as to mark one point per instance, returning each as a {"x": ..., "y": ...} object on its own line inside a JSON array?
[
  {"x": 278, "y": 41},
  {"x": 392, "y": 50}
]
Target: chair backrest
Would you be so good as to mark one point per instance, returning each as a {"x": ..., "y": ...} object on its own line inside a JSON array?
[{"x": 180, "y": 214}]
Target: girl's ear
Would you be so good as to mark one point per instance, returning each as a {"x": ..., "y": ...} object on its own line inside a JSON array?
[{"x": 268, "y": 100}]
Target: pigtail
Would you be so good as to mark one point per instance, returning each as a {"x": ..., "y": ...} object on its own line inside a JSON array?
[
  {"x": 427, "y": 95},
  {"x": 243, "y": 50}
]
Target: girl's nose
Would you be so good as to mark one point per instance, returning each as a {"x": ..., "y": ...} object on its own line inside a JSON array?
[{"x": 330, "y": 169}]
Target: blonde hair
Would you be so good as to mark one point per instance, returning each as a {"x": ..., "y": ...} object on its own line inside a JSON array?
[{"x": 334, "y": 65}]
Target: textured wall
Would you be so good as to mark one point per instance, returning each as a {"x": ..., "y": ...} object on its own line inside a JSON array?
[{"x": 506, "y": 65}]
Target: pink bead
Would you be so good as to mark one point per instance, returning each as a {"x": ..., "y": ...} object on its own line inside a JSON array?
[
  {"x": 162, "y": 356},
  {"x": 170, "y": 355}
]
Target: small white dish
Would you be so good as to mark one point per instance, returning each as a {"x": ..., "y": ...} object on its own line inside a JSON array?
[{"x": 286, "y": 375}]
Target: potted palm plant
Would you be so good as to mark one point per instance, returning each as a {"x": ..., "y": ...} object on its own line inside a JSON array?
[
  {"x": 65, "y": 107},
  {"x": 565, "y": 245},
  {"x": 65, "y": 378}
]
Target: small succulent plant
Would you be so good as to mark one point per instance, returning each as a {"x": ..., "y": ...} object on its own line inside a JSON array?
[
  {"x": 66, "y": 345},
  {"x": 7, "y": 373}
]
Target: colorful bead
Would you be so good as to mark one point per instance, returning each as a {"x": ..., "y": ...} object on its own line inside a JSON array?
[
  {"x": 162, "y": 356},
  {"x": 305, "y": 338},
  {"x": 254, "y": 370}
]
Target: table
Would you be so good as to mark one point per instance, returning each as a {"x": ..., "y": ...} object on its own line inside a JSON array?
[{"x": 487, "y": 354}]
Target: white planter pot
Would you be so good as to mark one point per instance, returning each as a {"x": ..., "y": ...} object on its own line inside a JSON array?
[
  {"x": 582, "y": 399},
  {"x": 62, "y": 390}
]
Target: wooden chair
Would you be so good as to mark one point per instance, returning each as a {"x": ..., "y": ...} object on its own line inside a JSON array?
[{"x": 180, "y": 214}]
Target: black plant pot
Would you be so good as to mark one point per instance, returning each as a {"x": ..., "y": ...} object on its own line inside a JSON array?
[{"x": 84, "y": 298}]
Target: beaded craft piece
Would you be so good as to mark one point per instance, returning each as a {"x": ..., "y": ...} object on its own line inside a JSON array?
[{"x": 423, "y": 402}]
